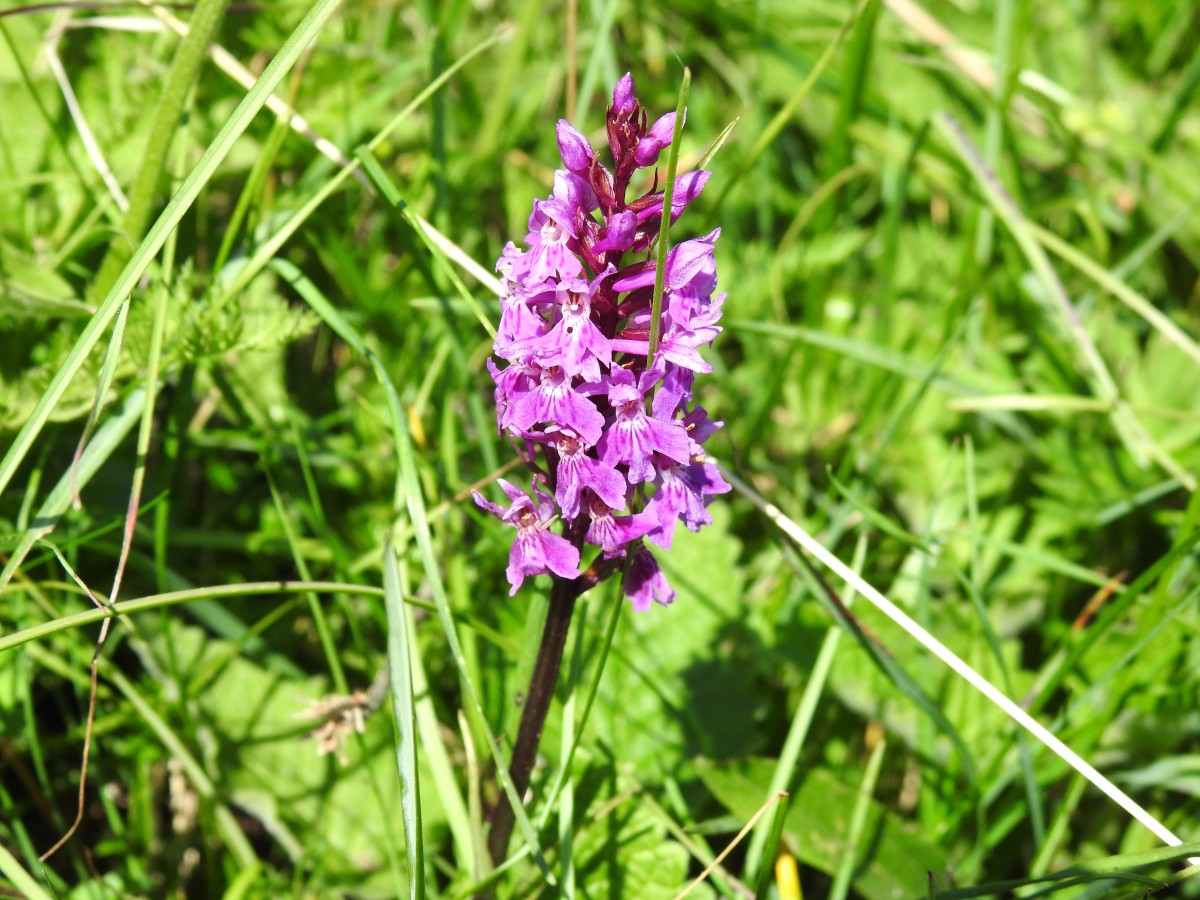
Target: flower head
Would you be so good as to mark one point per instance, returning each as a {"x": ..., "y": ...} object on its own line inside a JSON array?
[{"x": 621, "y": 437}]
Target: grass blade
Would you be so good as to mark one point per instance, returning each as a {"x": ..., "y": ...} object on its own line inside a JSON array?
[
  {"x": 858, "y": 820},
  {"x": 173, "y": 598},
  {"x": 99, "y": 449},
  {"x": 308, "y": 29},
  {"x": 25, "y": 884},
  {"x": 664, "y": 229},
  {"x": 1139, "y": 444},
  {"x": 960, "y": 668},
  {"x": 1111, "y": 283},
  {"x": 400, "y": 673},
  {"x": 771, "y": 847}
]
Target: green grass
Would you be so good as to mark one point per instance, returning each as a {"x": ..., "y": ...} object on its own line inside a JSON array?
[{"x": 962, "y": 246}]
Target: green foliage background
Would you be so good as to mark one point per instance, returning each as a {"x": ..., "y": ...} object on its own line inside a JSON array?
[{"x": 961, "y": 244}]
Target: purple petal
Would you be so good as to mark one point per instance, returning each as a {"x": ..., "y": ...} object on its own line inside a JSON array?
[
  {"x": 562, "y": 557},
  {"x": 676, "y": 348},
  {"x": 670, "y": 439},
  {"x": 519, "y": 325},
  {"x": 608, "y": 484},
  {"x": 623, "y": 99},
  {"x": 554, "y": 400},
  {"x": 514, "y": 493},
  {"x": 512, "y": 384},
  {"x": 577, "y": 470},
  {"x": 687, "y": 188},
  {"x": 638, "y": 275},
  {"x": 612, "y": 534},
  {"x": 539, "y": 552},
  {"x": 576, "y": 152},
  {"x": 704, "y": 479},
  {"x": 636, "y": 346},
  {"x": 692, "y": 260},
  {"x": 674, "y": 499},
  {"x": 622, "y": 228},
  {"x": 483, "y": 503},
  {"x": 546, "y": 507},
  {"x": 676, "y": 388},
  {"x": 699, "y": 426},
  {"x": 574, "y": 191},
  {"x": 645, "y": 582}
]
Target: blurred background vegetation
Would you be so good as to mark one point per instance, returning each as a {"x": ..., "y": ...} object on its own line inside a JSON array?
[{"x": 961, "y": 245}]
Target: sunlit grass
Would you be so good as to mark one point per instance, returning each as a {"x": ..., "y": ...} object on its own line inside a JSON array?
[{"x": 960, "y": 363}]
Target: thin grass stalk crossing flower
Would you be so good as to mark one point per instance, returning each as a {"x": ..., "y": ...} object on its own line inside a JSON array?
[
  {"x": 664, "y": 238},
  {"x": 600, "y": 342}
]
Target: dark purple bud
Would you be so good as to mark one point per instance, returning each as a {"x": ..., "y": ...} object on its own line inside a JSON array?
[
  {"x": 576, "y": 152},
  {"x": 659, "y": 137},
  {"x": 646, "y": 153},
  {"x": 623, "y": 99},
  {"x": 664, "y": 129}
]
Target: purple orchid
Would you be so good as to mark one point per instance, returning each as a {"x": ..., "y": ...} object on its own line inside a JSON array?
[
  {"x": 613, "y": 533},
  {"x": 553, "y": 399},
  {"x": 550, "y": 236},
  {"x": 634, "y": 436},
  {"x": 575, "y": 342},
  {"x": 536, "y": 550},
  {"x": 682, "y": 496},
  {"x": 621, "y": 436},
  {"x": 577, "y": 470}
]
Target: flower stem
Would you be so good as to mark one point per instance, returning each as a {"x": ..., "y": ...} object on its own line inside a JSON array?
[{"x": 537, "y": 705}]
